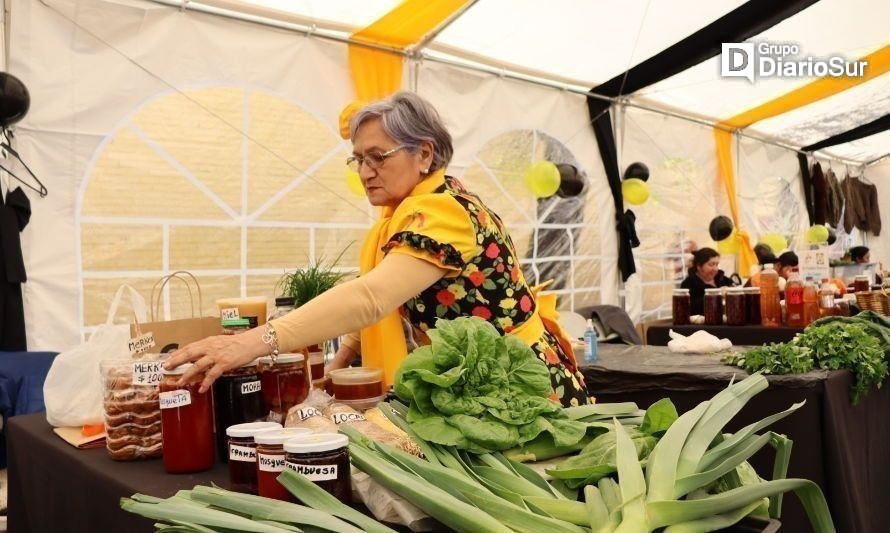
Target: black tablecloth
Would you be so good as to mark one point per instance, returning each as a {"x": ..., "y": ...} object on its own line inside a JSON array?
[
  {"x": 739, "y": 335},
  {"x": 56, "y": 488},
  {"x": 840, "y": 447}
]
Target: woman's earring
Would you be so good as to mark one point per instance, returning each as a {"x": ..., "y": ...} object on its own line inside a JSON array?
[{"x": 426, "y": 171}]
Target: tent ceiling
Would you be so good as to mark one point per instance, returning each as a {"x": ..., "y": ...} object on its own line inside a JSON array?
[{"x": 567, "y": 41}]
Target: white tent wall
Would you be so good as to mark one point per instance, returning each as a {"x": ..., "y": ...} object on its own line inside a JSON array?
[
  {"x": 84, "y": 99},
  {"x": 490, "y": 118},
  {"x": 770, "y": 192},
  {"x": 685, "y": 193}
]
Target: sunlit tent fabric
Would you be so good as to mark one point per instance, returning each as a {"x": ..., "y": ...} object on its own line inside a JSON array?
[{"x": 204, "y": 136}]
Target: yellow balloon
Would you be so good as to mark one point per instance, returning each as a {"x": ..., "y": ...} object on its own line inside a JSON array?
[
  {"x": 354, "y": 182},
  {"x": 817, "y": 234},
  {"x": 635, "y": 191},
  {"x": 346, "y": 115},
  {"x": 776, "y": 242},
  {"x": 542, "y": 179},
  {"x": 729, "y": 245}
]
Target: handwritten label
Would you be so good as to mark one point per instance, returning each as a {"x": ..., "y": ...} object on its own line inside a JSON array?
[
  {"x": 229, "y": 313},
  {"x": 250, "y": 387},
  {"x": 315, "y": 472},
  {"x": 271, "y": 463},
  {"x": 340, "y": 418},
  {"x": 306, "y": 412},
  {"x": 142, "y": 343},
  {"x": 175, "y": 398},
  {"x": 148, "y": 372},
  {"x": 242, "y": 453}
]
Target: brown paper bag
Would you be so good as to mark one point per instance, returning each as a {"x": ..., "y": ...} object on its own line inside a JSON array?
[{"x": 163, "y": 336}]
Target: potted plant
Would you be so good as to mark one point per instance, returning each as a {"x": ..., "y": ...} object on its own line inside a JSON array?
[{"x": 304, "y": 284}]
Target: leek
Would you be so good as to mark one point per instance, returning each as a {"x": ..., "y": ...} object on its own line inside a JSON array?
[{"x": 175, "y": 512}]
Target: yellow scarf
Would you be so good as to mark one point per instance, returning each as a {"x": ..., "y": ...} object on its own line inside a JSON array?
[{"x": 383, "y": 344}]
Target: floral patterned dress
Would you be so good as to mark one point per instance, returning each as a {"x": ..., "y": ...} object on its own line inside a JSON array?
[{"x": 454, "y": 229}]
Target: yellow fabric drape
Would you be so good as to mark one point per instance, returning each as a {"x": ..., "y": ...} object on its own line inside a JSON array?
[
  {"x": 377, "y": 73},
  {"x": 383, "y": 344},
  {"x": 878, "y": 64}
]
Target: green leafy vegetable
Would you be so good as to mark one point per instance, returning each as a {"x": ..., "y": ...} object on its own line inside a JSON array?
[{"x": 479, "y": 391}]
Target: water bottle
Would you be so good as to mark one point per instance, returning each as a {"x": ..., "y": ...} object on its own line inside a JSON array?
[{"x": 590, "y": 340}]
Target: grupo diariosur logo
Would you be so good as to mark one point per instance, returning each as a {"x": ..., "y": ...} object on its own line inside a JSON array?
[{"x": 783, "y": 60}]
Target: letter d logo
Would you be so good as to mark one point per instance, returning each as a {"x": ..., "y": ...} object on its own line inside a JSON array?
[{"x": 737, "y": 61}]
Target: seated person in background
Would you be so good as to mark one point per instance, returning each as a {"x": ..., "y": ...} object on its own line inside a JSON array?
[
  {"x": 784, "y": 265},
  {"x": 860, "y": 254},
  {"x": 765, "y": 256},
  {"x": 705, "y": 274}
]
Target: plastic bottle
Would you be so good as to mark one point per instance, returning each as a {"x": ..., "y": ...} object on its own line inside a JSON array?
[
  {"x": 590, "y": 343},
  {"x": 770, "y": 309},
  {"x": 826, "y": 299},
  {"x": 794, "y": 306},
  {"x": 810, "y": 301}
]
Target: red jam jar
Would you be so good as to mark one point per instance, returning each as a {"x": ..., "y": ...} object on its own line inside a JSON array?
[
  {"x": 270, "y": 461},
  {"x": 324, "y": 459},
  {"x": 316, "y": 365},
  {"x": 752, "y": 305},
  {"x": 680, "y": 305},
  {"x": 242, "y": 454},
  {"x": 736, "y": 312},
  {"x": 713, "y": 307},
  {"x": 284, "y": 383},
  {"x": 186, "y": 423}
]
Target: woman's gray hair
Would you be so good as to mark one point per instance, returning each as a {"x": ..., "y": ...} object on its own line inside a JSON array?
[{"x": 409, "y": 120}]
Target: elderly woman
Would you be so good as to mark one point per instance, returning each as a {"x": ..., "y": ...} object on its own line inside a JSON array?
[
  {"x": 705, "y": 274},
  {"x": 436, "y": 252}
]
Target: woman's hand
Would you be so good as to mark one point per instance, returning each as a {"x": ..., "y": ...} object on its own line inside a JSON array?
[{"x": 213, "y": 356}]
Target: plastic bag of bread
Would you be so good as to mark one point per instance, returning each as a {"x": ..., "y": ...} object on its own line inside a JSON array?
[
  {"x": 308, "y": 414},
  {"x": 343, "y": 414},
  {"x": 132, "y": 408}
]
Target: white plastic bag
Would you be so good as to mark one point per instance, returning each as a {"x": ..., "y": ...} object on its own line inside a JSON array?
[
  {"x": 72, "y": 391},
  {"x": 699, "y": 342}
]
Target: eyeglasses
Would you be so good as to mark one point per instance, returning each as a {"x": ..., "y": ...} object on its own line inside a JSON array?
[{"x": 374, "y": 160}]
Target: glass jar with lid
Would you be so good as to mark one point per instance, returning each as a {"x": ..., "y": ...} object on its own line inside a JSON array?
[
  {"x": 241, "y": 444},
  {"x": 283, "y": 306},
  {"x": 713, "y": 307},
  {"x": 358, "y": 387},
  {"x": 186, "y": 423},
  {"x": 237, "y": 399},
  {"x": 233, "y": 326},
  {"x": 752, "y": 305},
  {"x": 270, "y": 461},
  {"x": 324, "y": 459},
  {"x": 284, "y": 384},
  {"x": 681, "y": 306},
  {"x": 736, "y": 312}
]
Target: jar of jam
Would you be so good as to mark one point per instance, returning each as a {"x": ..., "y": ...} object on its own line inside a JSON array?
[
  {"x": 713, "y": 307},
  {"x": 324, "y": 459},
  {"x": 186, "y": 423},
  {"x": 237, "y": 399},
  {"x": 752, "y": 305},
  {"x": 316, "y": 365},
  {"x": 284, "y": 384},
  {"x": 680, "y": 305},
  {"x": 242, "y": 454},
  {"x": 270, "y": 461},
  {"x": 861, "y": 283},
  {"x": 736, "y": 312},
  {"x": 359, "y": 387}
]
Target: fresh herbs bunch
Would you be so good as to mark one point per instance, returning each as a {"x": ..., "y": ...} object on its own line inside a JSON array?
[
  {"x": 775, "y": 358},
  {"x": 306, "y": 283}
]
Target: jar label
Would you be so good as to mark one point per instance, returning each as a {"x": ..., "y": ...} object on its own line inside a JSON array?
[
  {"x": 148, "y": 372},
  {"x": 315, "y": 472},
  {"x": 175, "y": 398},
  {"x": 242, "y": 453},
  {"x": 306, "y": 413},
  {"x": 250, "y": 387},
  {"x": 271, "y": 463},
  {"x": 340, "y": 418},
  {"x": 142, "y": 343},
  {"x": 230, "y": 313}
]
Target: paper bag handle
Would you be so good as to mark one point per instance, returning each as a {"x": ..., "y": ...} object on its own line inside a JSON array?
[{"x": 158, "y": 289}]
